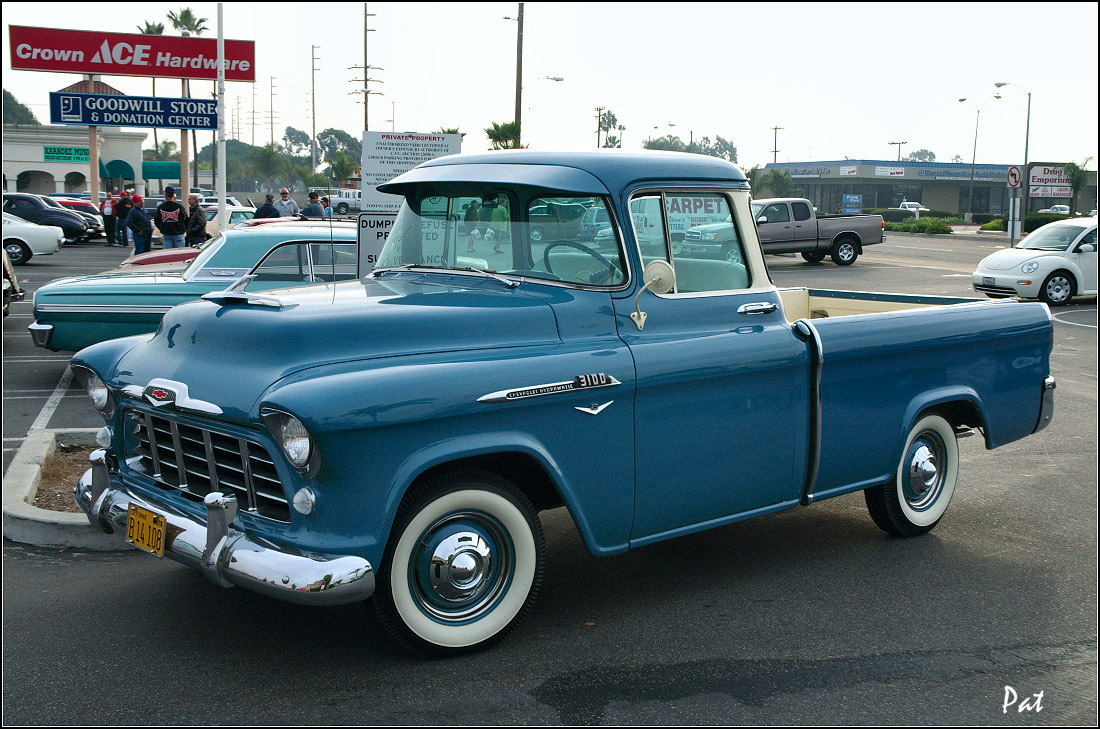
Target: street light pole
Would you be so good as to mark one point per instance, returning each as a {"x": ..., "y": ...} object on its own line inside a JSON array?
[
  {"x": 974, "y": 158},
  {"x": 519, "y": 73},
  {"x": 1026, "y": 183},
  {"x": 898, "y": 144}
]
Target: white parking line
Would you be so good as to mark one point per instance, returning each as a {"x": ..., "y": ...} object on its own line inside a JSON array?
[
  {"x": 50, "y": 407},
  {"x": 1073, "y": 323}
]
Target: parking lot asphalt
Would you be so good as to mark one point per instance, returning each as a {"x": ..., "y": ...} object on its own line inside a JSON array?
[{"x": 809, "y": 616}]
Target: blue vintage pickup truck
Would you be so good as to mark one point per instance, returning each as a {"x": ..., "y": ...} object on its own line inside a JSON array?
[{"x": 394, "y": 436}]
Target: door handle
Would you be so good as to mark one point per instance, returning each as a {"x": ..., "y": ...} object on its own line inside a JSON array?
[{"x": 757, "y": 307}]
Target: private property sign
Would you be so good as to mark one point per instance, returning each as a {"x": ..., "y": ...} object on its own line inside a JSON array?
[
  {"x": 106, "y": 110},
  {"x": 128, "y": 54}
]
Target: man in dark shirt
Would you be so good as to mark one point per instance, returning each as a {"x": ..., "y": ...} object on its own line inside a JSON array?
[
  {"x": 122, "y": 212},
  {"x": 196, "y": 222},
  {"x": 267, "y": 210},
  {"x": 171, "y": 220},
  {"x": 314, "y": 209}
]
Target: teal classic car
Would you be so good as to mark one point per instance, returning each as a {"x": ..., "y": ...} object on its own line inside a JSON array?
[{"x": 72, "y": 313}]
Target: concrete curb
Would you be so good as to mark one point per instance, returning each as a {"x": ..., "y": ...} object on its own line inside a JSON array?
[{"x": 29, "y": 524}]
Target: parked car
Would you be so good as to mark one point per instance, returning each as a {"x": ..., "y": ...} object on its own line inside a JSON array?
[
  {"x": 23, "y": 240},
  {"x": 1056, "y": 210},
  {"x": 94, "y": 219},
  {"x": 230, "y": 201},
  {"x": 395, "y": 436},
  {"x": 72, "y": 313},
  {"x": 912, "y": 207},
  {"x": 30, "y": 207},
  {"x": 1053, "y": 264},
  {"x": 790, "y": 225},
  {"x": 236, "y": 214},
  {"x": 593, "y": 221}
]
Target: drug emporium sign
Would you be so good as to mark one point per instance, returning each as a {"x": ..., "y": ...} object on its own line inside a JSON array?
[
  {"x": 128, "y": 54},
  {"x": 109, "y": 110},
  {"x": 1048, "y": 181}
]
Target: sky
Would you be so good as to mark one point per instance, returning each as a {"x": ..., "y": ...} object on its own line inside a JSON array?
[{"x": 841, "y": 80}]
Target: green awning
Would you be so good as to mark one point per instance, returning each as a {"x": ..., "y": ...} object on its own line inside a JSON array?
[
  {"x": 154, "y": 170},
  {"x": 102, "y": 171},
  {"x": 120, "y": 168}
]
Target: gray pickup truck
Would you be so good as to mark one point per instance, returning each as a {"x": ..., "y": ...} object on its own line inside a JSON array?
[{"x": 789, "y": 225}]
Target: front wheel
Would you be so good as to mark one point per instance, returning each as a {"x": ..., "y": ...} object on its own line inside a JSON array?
[
  {"x": 915, "y": 500},
  {"x": 342, "y": 209},
  {"x": 1057, "y": 290},
  {"x": 18, "y": 252},
  {"x": 814, "y": 256},
  {"x": 844, "y": 252},
  {"x": 463, "y": 566}
]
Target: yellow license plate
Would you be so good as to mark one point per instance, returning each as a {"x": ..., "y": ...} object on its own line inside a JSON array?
[{"x": 145, "y": 530}]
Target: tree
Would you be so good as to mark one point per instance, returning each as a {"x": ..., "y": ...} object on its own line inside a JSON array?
[
  {"x": 1078, "y": 175},
  {"x": 295, "y": 141},
  {"x": 268, "y": 163},
  {"x": 720, "y": 147},
  {"x": 668, "y": 143},
  {"x": 957, "y": 159},
  {"x": 503, "y": 135},
  {"x": 921, "y": 155},
  {"x": 450, "y": 130},
  {"x": 778, "y": 182},
  {"x": 331, "y": 141},
  {"x": 152, "y": 28},
  {"x": 341, "y": 167},
  {"x": 753, "y": 174},
  {"x": 16, "y": 113},
  {"x": 185, "y": 20},
  {"x": 608, "y": 123}
]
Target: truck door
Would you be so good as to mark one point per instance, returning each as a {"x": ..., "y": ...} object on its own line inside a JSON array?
[
  {"x": 774, "y": 228},
  {"x": 805, "y": 227},
  {"x": 721, "y": 406}
]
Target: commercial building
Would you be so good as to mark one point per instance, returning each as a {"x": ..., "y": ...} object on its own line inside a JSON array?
[
  {"x": 851, "y": 184},
  {"x": 47, "y": 158}
]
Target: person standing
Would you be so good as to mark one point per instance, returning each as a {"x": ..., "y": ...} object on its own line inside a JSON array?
[
  {"x": 469, "y": 222},
  {"x": 107, "y": 210},
  {"x": 314, "y": 209},
  {"x": 326, "y": 205},
  {"x": 196, "y": 221},
  {"x": 498, "y": 224},
  {"x": 285, "y": 205},
  {"x": 171, "y": 220},
  {"x": 267, "y": 210},
  {"x": 122, "y": 214},
  {"x": 140, "y": 225}
]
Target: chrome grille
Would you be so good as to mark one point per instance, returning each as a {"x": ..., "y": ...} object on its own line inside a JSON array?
[
  {"x": 693, "y": 235},
  {"x": 197, "y": 461}
]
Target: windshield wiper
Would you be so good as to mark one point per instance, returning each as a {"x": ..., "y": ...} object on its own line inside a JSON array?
[{"x": 510, "y": 283}]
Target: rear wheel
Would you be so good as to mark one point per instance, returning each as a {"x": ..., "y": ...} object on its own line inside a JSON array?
[
  {"x": 1058, "y": 288},
  {"x": 814, "y": 256},
  {"x": 844, "y": 252},
  {"x": 463, "y": 566},
  {"x": 915, "y": 500},
  {"x": 18, "y": 252},
  {"x": 342, "y": 208}
]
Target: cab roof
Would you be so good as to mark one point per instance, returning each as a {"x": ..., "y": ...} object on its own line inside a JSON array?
[{"x": 600, "y": 172}]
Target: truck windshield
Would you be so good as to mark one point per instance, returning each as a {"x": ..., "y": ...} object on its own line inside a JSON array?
[
  {"x": 518, "y": 231},
  {"x": 1051, "y": 238}
]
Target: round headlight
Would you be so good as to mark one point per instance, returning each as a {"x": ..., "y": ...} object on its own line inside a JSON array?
[
  {"x": 296, "y": 442},
  {"x": 97, "y": 391},
  {"x": 1029, "y": 267}
]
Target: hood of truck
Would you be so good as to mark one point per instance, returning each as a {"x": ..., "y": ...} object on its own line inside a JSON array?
[{"x": 228, "y": 354}]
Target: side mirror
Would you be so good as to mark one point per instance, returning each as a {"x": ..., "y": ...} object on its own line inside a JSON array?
[
  {"x": 1086, "y": 248},
  {"x": 761, "y": 219},
  {"x": 660, "y": 279}
]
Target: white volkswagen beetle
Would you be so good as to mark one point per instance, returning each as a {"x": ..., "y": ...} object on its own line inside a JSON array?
[{"x": 1053, "y": 264}]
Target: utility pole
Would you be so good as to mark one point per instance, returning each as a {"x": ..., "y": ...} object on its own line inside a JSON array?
[
  {"x": 519, "y": 77},
  {"x": 366, "y": 72},
  {"x": 775, "y": 143},
  {"x": 271, "y": 112},
  {"x": 313, "y": 96},
  {"x": 599, "y": 124},
  {"x": 898, "y": 144},
  {"x": 253, "y": 114}
]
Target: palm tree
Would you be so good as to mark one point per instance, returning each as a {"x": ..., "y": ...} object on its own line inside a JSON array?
[
  {"x": 341, "y": 166},
  {"x": 268, "y": 163},
  {"x": 503, "y": 135},
  {"x": 1078, "y": 175},
  {"x": 185, "y": 20},
  {"x": 152, "y": 28},
  {"x": 450, "y": 130}
]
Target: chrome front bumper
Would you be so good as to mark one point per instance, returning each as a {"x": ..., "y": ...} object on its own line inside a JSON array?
[
  {"x": 40, "y": 333},
  {"x": 224, "y": 553}
]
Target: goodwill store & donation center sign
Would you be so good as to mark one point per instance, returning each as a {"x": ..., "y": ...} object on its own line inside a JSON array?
[
  {"x": 128, "y": 54},
  {"x": 111, "y": 110}
]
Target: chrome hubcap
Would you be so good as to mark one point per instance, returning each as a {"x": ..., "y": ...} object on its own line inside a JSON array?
[
  {"x": 461, "y": 566},
  {"x": 924, "y": 477},
  {"x": 1058, "y": 289}
]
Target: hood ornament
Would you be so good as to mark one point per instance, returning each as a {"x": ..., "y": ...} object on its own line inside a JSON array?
[{"x": 160, "y": 392}]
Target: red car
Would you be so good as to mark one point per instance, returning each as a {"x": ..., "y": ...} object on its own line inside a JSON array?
[{"x": 84, "y": 206}]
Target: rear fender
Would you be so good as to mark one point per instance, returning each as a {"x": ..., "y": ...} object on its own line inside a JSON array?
[{"x": 942, "y": 399}]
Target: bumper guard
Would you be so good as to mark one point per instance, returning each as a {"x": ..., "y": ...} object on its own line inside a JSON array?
[{"x": 224, "y": 553}]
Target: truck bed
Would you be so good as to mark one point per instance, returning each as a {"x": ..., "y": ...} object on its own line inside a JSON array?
[{"x": 806, "y": 303}]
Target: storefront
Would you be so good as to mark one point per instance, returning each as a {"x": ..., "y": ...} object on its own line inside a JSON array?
[{"x": 44, "y": 159}]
